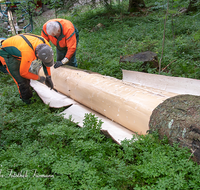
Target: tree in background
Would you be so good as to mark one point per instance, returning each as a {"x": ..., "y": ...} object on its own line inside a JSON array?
[
  {"x": 193, "y": 6},
  {"x": 136, "y": 5}
]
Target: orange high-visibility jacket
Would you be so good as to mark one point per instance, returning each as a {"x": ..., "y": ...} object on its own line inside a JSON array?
[
  {"x": 19, "y": 48},
  {"x": 2, "y": 61},
  {"x": 1, "y": 58},
  {"x": 66, "y": 39}
]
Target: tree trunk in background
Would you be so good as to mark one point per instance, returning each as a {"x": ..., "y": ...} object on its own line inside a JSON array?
[
  {"x": 192, "y": 6},
  {"x": 135, "y": 5},
  {"x": 179, "y": 119}
]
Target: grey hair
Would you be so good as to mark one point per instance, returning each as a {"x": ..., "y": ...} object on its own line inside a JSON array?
[{"x": 52, "y": 27}]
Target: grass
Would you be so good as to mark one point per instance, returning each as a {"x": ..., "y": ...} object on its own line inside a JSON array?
[
  {"x": 42, "y": 150},
  {"x": 128, "y": 35}
]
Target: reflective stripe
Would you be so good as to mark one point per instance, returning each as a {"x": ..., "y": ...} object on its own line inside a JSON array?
[
  {"x": 36, "y": 37},
  {"x": 71, "y": 35},
  {"x": 27, "y": 41},
  {"x": 44, "y": 33}
]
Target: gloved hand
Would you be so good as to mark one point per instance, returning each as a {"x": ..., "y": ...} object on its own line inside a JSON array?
[
  {"x": 58, "y": 64},
  {"x": 49, "y": 82},
  {"x": 41, "y": 79},
  {"x": 62, "y": 62}
]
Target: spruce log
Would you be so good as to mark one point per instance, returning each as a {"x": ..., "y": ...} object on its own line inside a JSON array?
[
  {"x": 178, "y": 118},
  {"x": 127, "y": 104}
]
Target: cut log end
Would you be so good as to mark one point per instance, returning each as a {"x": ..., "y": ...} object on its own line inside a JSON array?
[{"x": 178, "y": 118}]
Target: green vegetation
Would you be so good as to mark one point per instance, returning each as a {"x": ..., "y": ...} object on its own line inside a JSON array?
[
  {"x": 127, "y": 34},
  {"x": 42, "y": 150}
]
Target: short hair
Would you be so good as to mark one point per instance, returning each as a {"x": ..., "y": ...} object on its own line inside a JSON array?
[{"x": 52, "y": 27}]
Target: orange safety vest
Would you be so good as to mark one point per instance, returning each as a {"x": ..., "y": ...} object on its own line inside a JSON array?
[
  {"x": 19, "y": 48},
  {"x": 66, "y": 39},
  {"x": 2, "y": 60}
]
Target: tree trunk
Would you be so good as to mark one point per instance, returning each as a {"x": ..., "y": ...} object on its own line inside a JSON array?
[
  {"x": 193, "y": 7},
  {"x": 135, "y": 5},
  {"x": 178, "y": 118}
]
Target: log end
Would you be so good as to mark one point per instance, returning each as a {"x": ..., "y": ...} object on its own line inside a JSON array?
[{"x": 178, "y": 118}]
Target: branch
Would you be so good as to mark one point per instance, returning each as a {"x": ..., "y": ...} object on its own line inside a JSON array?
[
  {"x": 193, "y": 151},
  {"x": 168, "y": 65}
]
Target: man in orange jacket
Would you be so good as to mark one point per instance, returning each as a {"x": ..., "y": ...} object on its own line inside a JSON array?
[
  {"x": 65, "y": 36},
  {"x": 24, "y": 55}
]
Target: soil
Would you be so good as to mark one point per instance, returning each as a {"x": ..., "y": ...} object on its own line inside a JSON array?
[{"x": 49, "y": 14}]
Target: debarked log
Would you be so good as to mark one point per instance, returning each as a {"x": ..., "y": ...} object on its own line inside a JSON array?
[
  {"x": 129, "y": 105},
  {"x": 178, "y": 118}
]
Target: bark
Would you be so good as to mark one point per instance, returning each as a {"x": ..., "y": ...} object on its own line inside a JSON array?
[
  {"x": 178, "y": 118},
  {"x": 135, "y": 5},
  {"x": 146, "y": 57}
]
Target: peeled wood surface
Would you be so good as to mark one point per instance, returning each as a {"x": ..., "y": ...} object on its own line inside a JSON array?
[
  {"x": 78, "y": 111},
  {"x": 128, "y": 104}
]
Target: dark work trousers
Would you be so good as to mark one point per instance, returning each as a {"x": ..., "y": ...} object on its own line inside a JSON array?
[
  {"x": 23, "y": 84},
  {"x": 62, "y": 52},
  {"x": 2, "y": 68}
]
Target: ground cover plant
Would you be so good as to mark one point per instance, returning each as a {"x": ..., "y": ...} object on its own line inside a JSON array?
[
  {"x": 42, "y": 150},
  {"x": 127, "y": 35}
]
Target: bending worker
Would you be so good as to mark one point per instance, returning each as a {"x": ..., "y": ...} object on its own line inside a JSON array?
[
  {"x": 24, "y": 54},
  {"x": 64, "y": 35}
]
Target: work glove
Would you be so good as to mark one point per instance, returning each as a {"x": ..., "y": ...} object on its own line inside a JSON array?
[
  {"x": 35, "y": 66},
  {"x": 62, "y": 62},
  {"x": 58, "y": 64},
  {"x": 49, "y": 82},
  {"x": 41, "y": 79}
]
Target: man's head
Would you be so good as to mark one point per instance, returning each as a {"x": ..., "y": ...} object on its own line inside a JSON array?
[
  {"x": 45, "y": 53},
  {"x": 53, "y": 28}
]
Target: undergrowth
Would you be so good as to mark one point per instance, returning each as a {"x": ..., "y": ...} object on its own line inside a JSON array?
[
  {"x": 42, "y": 150},
  {"x": 127, "y": 34}
]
